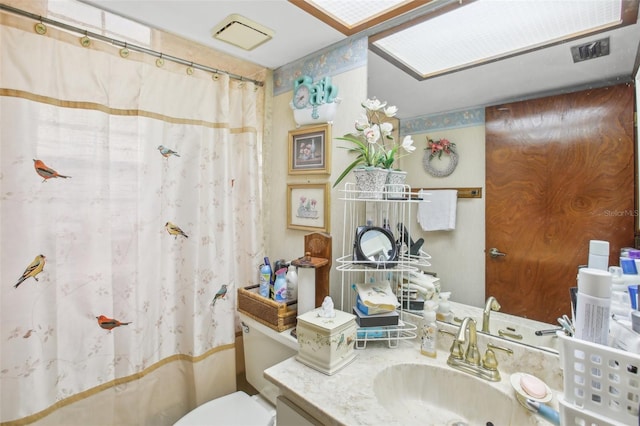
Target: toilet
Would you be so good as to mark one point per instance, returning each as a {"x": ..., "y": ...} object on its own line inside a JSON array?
[{"x": 263, "y": 348}]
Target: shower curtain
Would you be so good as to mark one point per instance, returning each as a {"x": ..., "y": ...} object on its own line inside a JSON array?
[{"x": 129, "y": 198}]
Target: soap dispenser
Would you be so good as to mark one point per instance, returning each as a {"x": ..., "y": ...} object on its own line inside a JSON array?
[
  {"x": 428, "y": 346},
  {"x": 444, "y": 307}
]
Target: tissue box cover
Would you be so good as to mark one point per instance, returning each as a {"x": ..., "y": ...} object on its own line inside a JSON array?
[{"x": 326, "y": 344}]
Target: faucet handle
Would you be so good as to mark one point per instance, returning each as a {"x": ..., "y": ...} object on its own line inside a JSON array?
[
  {"x": 500, "y": 348},
  {"x": 456, "y": 350},
  {"x": 456, "y": 347},
  {"x": 489, "y": 360}
]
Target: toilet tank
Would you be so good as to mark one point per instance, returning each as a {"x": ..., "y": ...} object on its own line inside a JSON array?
[{"x": 264, "y": 348}]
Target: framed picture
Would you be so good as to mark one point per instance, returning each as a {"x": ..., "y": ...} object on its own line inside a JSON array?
[
  {"x": 310, "y": 150},
  {"x": 308, "y": 206}
]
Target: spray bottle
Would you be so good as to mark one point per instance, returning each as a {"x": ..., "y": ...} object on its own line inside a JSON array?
[
  {"x": 265, "y": 277},
  {"x": 280, "y": 286}
]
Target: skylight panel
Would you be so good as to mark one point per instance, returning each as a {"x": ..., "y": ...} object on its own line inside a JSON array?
[{"x": 487, "y": 30}]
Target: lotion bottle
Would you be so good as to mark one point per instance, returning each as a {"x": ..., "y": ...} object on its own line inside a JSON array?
[
  {"x": 292, "y": 283},
  {"x": 428, "y": 346},
  {"x": 593, "y": 305}
]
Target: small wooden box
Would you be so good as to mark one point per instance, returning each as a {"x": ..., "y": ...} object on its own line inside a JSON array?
[{"x": 276, "y": 315}]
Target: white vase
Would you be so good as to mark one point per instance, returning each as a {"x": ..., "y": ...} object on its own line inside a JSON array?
[
  {"x": 395, "y": 183},
  {"x": 396, "y": 177},
  {"x": 370, "y": 181}
]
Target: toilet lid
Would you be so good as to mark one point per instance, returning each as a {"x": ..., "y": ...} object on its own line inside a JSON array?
[{"x": 237, "y": 408}]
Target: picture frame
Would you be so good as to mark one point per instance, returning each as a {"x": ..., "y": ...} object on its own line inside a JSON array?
[
  {"x": 310, "y": 150},
  {"x": 308, "y": 206}
]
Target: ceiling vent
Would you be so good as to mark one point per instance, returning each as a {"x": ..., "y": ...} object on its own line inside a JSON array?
[
  {"x": 241, "y": 32},
  {"x": 591, "y": 50}
]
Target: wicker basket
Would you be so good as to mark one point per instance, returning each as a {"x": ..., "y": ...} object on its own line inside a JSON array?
[{"x": 276, "y": 315}]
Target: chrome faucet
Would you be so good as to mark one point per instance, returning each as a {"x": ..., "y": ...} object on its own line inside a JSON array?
[
  {"x": 469, "y": 361},
  {"x": 490, "y": 305}
]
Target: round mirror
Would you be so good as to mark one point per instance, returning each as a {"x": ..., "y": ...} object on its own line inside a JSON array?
[{"x": 375, "y": 247}]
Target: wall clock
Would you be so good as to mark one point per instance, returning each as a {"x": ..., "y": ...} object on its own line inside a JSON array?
[
  {"x": 314, "y": 102},
  {"x": 301, "y": 96}
]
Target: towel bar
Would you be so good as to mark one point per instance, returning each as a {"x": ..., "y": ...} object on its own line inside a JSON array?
[{"x": 462, "y": 192}]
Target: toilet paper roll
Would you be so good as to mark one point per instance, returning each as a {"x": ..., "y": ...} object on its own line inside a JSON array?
[{"x": 306, "y": 289}]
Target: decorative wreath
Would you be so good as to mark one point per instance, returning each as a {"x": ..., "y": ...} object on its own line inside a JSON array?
[{"x": 436, "y": 149}]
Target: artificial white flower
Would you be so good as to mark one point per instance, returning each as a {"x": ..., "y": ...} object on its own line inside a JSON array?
[
  {"x": 372, "y": 134},
  {"x": 407, "y": 144},
  {"x": 373, "y": 140},
  {"x": 362, "y": 122},
  {"x": 373, "y": 104},
  {"x": 386, "y": 129},
  {"x": 391, "y": 111}
]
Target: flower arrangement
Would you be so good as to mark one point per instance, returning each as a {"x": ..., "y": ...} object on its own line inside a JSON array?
[
  {"x": 373, "y": 140},
  {"x": 440, "y": 146},
  {"x": 436, "y": 149}
]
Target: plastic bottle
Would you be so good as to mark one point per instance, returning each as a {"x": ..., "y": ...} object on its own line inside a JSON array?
[
  {"x": 292, "y": 283},
  {"x": 271, "y": 278},
  {"x": 598, "y": 255},
  {"x": 265, "y": 278},
  {"x": 280, "y": 286},
  {"x": 444, "y": 307},
  {"x": 593, "y": 305},
  {"x": 429, "y": 342}
]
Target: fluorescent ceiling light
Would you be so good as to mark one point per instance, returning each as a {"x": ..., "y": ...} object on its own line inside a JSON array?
[
  {"x": 352, "y": 16},
  {"x": 487, "y": 30}
]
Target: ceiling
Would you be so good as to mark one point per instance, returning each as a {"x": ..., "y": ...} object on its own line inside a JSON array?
[{"x": 297, "y": 34}]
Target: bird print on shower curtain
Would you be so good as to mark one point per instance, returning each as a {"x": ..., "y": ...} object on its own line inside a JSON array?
[
  {"x": 109, "y": 323},
  {"x": 219, "y": 295},
  {"x": 166, "y": 152},
  {"x": 174, "y": 230},
  {"x": 46, "y": 172},
  {"x": 32, "y": 270}
]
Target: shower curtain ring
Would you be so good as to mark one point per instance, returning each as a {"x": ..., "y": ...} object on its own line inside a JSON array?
[
  {"x": 215, "y": 75},
  {"x": 159, "y": 61},
  {"x": 190, "y": 69},
  {"x": 124, "y": 52},
  {"x": 85, "y": 41},
  {"x": 40, "y": 28}
]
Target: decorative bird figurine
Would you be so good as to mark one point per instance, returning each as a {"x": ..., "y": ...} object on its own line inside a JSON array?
[
  {"x": 32, "y": 270},
  {"x": 109, "y": 323},
  {"x": 166, "y": 152},
  {"x": 219, "y": 295},
  {"x": 46, "y": 172},
  {"x": 175, "y": 230}
]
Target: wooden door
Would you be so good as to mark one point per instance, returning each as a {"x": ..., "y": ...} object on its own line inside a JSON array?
[{"x": 560, "y": 172}]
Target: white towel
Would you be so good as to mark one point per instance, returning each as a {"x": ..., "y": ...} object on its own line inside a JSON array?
[
  {"x": 377, "y": 295},
  {"x": 438, "y": 210}
]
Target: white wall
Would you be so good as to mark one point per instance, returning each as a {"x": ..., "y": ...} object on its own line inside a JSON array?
[
  {"x": 283, "y": 243},
  {"x": 457, "y": 256}
]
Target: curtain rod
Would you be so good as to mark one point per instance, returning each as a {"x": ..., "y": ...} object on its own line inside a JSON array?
[{"x": 125, "y": 44}]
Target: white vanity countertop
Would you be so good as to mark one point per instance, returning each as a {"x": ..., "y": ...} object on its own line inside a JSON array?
[{"x": 347, "y": 397}]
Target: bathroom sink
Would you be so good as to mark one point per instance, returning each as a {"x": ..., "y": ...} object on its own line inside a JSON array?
[{"x": 433, "y": 395}]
